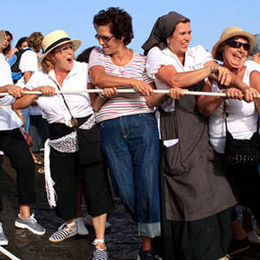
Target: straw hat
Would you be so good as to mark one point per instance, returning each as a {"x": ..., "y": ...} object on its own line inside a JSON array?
[
  {"x": 2, "y": 37},
  {"x": 55, "y": 39},
  {"x": 228, "y": 33}
]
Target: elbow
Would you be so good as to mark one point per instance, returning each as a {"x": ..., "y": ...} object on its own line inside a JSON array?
[
  {"x": 175, "y": 83},
  {"x": 205, "y": 111}
]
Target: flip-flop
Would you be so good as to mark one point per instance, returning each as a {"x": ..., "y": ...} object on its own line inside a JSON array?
[{"x": 37, "y": 161}]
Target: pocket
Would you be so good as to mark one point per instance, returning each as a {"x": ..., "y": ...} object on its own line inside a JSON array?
[
  {"x": 89, "y": 145},
  {"x": 173, "y": 161}
]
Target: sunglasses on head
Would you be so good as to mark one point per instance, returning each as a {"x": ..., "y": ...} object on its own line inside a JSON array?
[{"x": 237, "y": 45}]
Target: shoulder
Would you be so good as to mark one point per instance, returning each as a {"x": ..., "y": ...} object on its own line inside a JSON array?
[{"x": 252, "y": 65}]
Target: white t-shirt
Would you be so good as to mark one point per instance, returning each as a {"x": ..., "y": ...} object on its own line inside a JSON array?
[
  {"x": 195, "y": 58},
  {"x": 8, "y": 118},
  {"x": 252, "y": 64},
  {"x": 54, "y": 107},
  {"x": 241, "y": 120},
  {"x": 28, "y": 62}
]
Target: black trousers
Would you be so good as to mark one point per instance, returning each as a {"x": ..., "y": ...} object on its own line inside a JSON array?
[
  {"x": 14, "y": 146},
  {"x": 64, "y": 171},
  {"x": 246, "y": 181}
]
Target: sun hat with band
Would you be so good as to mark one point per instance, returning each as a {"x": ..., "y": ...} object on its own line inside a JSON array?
[
  {"x": 2, "y": 37},
  {"x": 55, "y": 39},
  {"x": 228, "y": 33}
]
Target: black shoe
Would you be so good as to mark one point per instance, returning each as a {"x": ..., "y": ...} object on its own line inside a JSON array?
[
  {"x": 238, "y": 246},
  {"x": 146, "y": 255}
]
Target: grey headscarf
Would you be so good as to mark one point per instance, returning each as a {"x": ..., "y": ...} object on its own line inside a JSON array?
[
  {"x": 256, "y": 48},
  {"x": 162, "y": 29}
]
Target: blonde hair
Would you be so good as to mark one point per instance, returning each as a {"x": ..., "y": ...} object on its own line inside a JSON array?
[{"x": 48, "y": 63}]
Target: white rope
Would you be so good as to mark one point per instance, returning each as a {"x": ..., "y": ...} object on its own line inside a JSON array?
[
  {"x": 8, "y": 254},
  {"x": 126, "y": 90}
]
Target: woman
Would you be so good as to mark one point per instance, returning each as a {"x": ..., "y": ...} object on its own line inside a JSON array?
[
  {"x": 233, "y": 49},
  {"x": 14, "y": 146},
  {"x": 196, "y": 196},
  {"x": 6, "y": 46},
  {"x": 66, "y": 114},
  {"x": 129, "y": 135}
]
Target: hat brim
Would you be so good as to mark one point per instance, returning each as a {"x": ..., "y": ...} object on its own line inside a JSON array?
[
  {"x": 76, "y": 43},
  {"x": 2, "y": 37},
  {"x": 216, "y": 54}
]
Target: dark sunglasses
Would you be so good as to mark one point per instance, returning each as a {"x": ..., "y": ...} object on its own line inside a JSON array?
[
  {"x": 237, "y": 45},
  {"x": 103, "y": 38}
]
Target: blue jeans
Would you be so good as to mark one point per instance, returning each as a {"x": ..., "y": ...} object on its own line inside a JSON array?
[{"x": 130, "y": 145}]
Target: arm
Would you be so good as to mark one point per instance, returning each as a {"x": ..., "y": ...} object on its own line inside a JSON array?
[
  {"x": 208, "y": 104},
  {"x": 100, "y": 79},
  {"x": 27, "y": 75},
  {"x": 255, "y": 83},
  {"x": 12, "y": 90},
  {"x": 98, "y": 100},
  {"x": 27, "y": 100}
]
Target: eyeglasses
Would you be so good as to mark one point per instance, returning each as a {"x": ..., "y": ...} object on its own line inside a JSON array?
[
  {"x": 105, "y": 39},
  {"x": 66, "y": 49},
  {"x": 237, "y": 45}
]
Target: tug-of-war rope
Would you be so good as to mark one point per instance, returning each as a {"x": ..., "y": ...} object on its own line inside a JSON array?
[{"x": 126, "y": 90}]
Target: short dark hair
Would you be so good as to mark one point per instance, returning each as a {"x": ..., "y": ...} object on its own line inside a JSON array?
[{"x": 120, "y": 23}]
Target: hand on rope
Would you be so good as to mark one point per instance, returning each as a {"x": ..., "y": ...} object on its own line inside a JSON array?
[
  {"x": 15, "y": 91},
  {"x": 177, "y": 93},
  {"x": 250, "y": 94},
  {"x": 47, "y": 90},
  {"x": 234, "y": 93},
  {"x": 142, "y": 87},
  {"x": 108, "y": 92}
]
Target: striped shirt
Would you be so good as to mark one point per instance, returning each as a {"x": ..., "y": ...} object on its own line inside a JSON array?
[{"x": 122, "y": 104}]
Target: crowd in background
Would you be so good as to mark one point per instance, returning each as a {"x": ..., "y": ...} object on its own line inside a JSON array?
[{"x": 166, "y": 155}]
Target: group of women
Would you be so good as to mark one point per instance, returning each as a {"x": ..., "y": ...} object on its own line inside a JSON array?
[{"x": 192, "y": 208}]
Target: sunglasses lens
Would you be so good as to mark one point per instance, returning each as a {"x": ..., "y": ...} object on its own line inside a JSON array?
[{"x": 236, "y": 44}]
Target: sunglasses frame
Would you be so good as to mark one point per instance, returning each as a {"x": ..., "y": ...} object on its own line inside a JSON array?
[{"x": 105, "y": 39}]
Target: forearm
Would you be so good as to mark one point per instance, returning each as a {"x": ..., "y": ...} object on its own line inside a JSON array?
[
  {"x": 155, "y": 99},
  {"x": 98, "y": 102},
  {"x": 24, "y": 101},
  {"x": 103, "y": 80},
  {"x": 183, "y": 79}
]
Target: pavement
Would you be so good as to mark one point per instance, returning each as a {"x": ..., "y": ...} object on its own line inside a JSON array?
[{"x": 122, "y": 240}]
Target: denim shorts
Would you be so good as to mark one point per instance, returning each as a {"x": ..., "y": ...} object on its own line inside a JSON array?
[{"x": 130, "y": 145}]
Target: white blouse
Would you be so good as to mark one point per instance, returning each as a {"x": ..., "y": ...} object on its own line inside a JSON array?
[
  {"x": 54, "y": 107},
  {"x": 241, "y": 120},
  {"x": 195, "y": 58},
  {"x": 9, "y": 120}
]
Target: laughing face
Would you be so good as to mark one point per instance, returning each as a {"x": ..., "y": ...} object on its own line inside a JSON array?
[
  {"x": 234, "y": 57},
  {"x": 179, "y": 41},
  {"x": 64, "y": 56}
]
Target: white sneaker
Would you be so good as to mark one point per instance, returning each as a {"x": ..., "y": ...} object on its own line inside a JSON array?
[
  {"x": 253, "y": 237},
  {"x": 3, "y": 238}
]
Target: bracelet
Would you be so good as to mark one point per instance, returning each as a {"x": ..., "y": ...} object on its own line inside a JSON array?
[{"x": 20, "y": 114}]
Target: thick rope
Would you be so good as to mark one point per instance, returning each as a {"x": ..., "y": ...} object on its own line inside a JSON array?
[{"x": 126, "y": 90}]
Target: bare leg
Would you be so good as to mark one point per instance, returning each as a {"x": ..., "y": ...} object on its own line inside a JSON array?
[
  {"x": 146, "y": 244},
  {"x": 99, "y": 224},
  {"x": 25, "y": 211}
]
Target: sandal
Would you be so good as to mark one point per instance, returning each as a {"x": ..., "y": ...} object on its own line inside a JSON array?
[{"x": 99, "y": 253}]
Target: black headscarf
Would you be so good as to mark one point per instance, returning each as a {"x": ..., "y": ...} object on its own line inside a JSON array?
[{"x": 162, "y": 29}]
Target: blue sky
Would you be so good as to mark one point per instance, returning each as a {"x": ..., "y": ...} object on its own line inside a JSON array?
[{"x": 208, "y": 18}]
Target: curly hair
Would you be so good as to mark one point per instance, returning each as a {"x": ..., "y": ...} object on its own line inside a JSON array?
[
  {"x": 120, "y": 23},
  {"x": 35, "y": 41}
]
